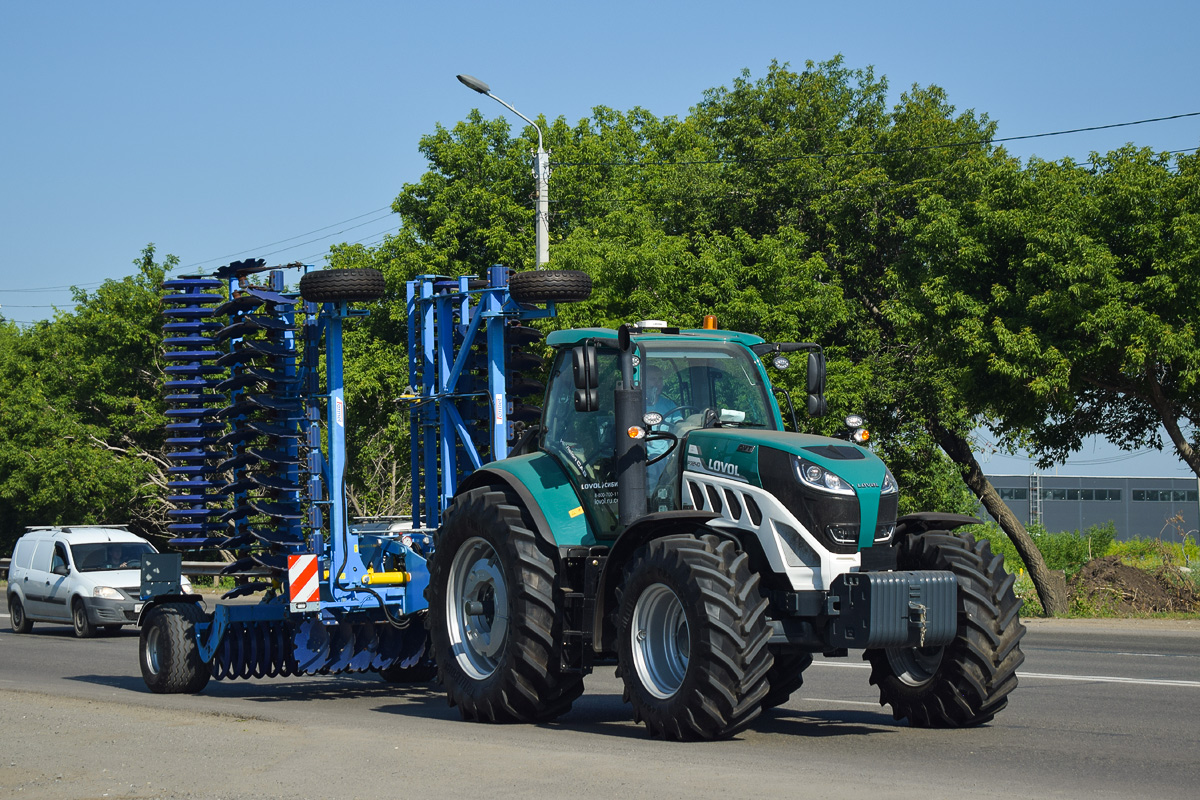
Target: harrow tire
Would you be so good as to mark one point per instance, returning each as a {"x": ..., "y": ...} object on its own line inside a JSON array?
[
  {"x": 692, "y": 638},
  {"x": 786, "y": 675},
  {"x": 966, "y": 682},
  {"x": 550, "y": 286},
  {"x": 168, "y": 650},
  {"x": 84, "y": 627},
  {"x": 16, "y": 613},
  {"x": 360, "y": 284},
  {"x": 495, "y": 614}
]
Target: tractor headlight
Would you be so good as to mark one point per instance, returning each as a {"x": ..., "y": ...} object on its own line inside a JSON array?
[
  {"x": 819, "y": 478},
  {"x": 889, "y": 483}
]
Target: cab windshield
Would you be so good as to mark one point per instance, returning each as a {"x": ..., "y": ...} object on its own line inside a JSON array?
[
  {"x": 704, "y": 384},
  {"x": 103, "y": 556}
]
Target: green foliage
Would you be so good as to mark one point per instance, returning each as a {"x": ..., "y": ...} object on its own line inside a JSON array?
[
  {"x": 82, "y": 410},
  {"x": 1067, "y": 550}
]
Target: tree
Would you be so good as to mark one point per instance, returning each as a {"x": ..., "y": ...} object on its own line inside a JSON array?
[{"x": 82, "y": 410}]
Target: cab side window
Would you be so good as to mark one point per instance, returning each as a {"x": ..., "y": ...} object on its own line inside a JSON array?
[
  {"x": 59, "y": 560},
  {"x": 585, "y": 443}
]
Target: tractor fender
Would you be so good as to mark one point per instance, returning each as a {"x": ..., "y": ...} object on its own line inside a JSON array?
[
  {"x": 651, "y": 526},
  {"x": 163, "y": 599},
  {"x": 931, "y": 520},
  {"x": 546, "y": 493}
]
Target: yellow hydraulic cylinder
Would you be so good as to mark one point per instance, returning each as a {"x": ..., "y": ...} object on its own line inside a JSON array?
[{"x": 386, "y": 578}]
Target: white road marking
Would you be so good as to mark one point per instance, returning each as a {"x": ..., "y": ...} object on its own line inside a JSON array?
[{"x": 1057, "y": 677}]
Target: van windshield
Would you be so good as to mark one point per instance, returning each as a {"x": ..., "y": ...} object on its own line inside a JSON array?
[{"x": 109, "y": 555}]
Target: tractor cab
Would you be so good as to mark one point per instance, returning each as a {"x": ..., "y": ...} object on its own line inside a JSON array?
[{"x": 688, "y": 380}]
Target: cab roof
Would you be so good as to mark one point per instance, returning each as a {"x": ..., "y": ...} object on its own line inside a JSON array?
[{"x": 569, "y": 338}]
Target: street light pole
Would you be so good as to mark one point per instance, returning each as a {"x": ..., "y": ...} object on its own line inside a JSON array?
[{"x": 541, "y": 173}]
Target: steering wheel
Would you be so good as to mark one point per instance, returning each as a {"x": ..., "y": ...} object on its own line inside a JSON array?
[{"x": 676, "y": 409}]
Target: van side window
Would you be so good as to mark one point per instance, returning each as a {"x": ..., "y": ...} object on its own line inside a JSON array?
[
  {"x": 41, "y": 556},
  {"x": 60, "y": 557},
  {"x": 23, "y": 555}
]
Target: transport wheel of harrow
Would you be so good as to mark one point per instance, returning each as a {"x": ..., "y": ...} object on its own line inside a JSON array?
[
  {"x": 692, "y": 638},
  {"x": 786, "y": 675},
  {"x": 170, "y": 654},
  {"x": 550, "y": 286},
  {"x": 494, "y": 615},
  {"x": 360, "y": 284},
  {"x": 966, "y": 682},
  {"x": 84, "y": 627},
  {"x": 16, "y": 613}
]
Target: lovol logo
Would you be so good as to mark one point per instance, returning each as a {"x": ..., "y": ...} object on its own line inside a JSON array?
[
  {"x": 868, "y": 485},
  {"x": 722, "y": 468}
]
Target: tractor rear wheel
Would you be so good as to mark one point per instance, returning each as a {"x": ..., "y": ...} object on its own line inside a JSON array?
[
  {"x": 359, "y": 284},
  {"x": 495, "y": 617},
  {"x": 170, "y": 654},
  {"x": 786, "y": 675},
  {"x": 692, "y": 638},
  {"x": 967, "y": 681},
  {"x": 550, "y": 286}
]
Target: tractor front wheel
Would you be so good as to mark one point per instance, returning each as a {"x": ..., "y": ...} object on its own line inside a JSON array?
[
  {"x": 494, "y": 615},
  {"x": 692, "y": 638},
  {"x": 786, "y": 675},
  {"x": 967, "y": 681}
]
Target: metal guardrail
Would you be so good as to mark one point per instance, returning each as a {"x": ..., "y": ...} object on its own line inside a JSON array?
[{"x": 190, "y": 568}]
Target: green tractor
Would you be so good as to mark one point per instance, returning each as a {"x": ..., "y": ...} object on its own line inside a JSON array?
[{"x": 659, "y": 516}]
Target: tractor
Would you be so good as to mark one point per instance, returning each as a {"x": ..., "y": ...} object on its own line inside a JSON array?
[{"x": 643, "y": 507}]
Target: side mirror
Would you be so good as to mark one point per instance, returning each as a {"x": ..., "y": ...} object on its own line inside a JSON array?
[
  {"x": 816, "y": 384},
  {"x": 60, "y": 569},
  {"x": 587, "y": 378}
]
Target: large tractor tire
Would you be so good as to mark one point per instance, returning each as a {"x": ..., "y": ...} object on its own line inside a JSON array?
[
  {"x": 966, "y": 682},
  {"x": 550, "y": 286},
  {"x": 495, "y": 617},
  {"x": 360, "y": 284},
  {"x": 170, "y": 653},
  {"x": 692, "y": 638},
  {"x": 786, "y": 675}
]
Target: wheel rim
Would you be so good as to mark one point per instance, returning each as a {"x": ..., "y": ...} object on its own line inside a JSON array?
[
  {"x": 81, "y": 621},
  {"x": 16, "y": 613},
  {"x": 661, "y": 641},
  {"x": 153, "y": 651},
  {"x": 915, "y": 666},
  {"x": 477, "y": 608}
]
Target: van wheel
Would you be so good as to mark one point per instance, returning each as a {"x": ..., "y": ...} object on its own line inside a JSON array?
[
  {"x": 16, "y": 612},
  {"x": 84, "y": 628}
]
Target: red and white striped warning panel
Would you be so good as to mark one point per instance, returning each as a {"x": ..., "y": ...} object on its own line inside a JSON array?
[{"x": 304, "y": 590}]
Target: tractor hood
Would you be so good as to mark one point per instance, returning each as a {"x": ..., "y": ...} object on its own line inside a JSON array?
[{"x": 830, "y": 483}]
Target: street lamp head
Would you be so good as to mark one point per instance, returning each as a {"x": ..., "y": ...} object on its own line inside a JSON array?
[{"x": 472, "y": 82}]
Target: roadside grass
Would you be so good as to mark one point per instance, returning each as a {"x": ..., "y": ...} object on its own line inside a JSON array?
[{"x": 1069, "y": 551}]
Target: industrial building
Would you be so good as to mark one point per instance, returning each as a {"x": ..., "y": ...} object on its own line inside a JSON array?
[{"x": 1163, "y": 508}]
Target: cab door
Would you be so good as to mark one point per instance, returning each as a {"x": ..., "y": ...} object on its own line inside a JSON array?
[
  {"x": 58, "y": 587},
  {"x": 584, "y": 443}
]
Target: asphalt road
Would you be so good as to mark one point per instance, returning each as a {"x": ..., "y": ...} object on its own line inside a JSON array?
[{"x": 1104, "y": 709}]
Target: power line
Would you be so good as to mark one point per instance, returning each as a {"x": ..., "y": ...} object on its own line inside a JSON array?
[
  {"x": 387, "y": 208},
  {"x": 855, "y": 153}
]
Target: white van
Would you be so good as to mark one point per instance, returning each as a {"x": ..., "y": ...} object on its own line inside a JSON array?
[{"x": 85, "y": 575}]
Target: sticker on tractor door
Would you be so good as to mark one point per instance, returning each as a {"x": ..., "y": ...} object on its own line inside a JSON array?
[
  {"x": 339, "y": 412},
  {"x": 499, "y": 404}
]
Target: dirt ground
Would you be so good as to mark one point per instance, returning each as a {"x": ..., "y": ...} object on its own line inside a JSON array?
[{"x": 1108, "y": 585}]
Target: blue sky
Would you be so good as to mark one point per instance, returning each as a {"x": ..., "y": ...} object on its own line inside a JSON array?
[{"x": 215, "y": 129}]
